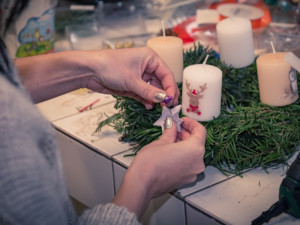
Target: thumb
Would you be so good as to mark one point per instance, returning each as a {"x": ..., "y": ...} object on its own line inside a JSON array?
[{"x": 169, "y": 135}]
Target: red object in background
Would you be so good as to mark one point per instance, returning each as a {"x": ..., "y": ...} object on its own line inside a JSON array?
[
  {"x": 182, "y": 32},
  {"x": 261, "y": 22}
]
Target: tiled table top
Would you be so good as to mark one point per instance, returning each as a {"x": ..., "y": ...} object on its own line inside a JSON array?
[
  {"x": 82, "y": 127},
  {"x": 210, "y": 177},
  {"x": 242, "y": 199},
  {"x": 233, "y": 200},
  {"x": 123, "y": 158},
  {"x": 70, "y": 103}
]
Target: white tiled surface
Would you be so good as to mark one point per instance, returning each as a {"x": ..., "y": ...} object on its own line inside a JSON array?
[
  {"x": 123, "y": 159},
  {"x": 119, "y": 173},
  {"x": 88, "y": 174},
  {"x": 82, "y": 126},
  {"x": 165, "y": 209},
  {"x": 210, "y": 176},
  {"x": 194, "y": 217},
  {"x": 213, "y": 197},
  {"x": 68, "y": 104},
  {"x": 241, "y": 199}
]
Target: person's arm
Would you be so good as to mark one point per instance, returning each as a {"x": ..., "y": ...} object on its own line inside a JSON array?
[
  {"x": 162, "y": 166},
  {"x": 173, "y": 160},
  {"x": 51, "y": 75},
  {"x": 121, "y": 72}
]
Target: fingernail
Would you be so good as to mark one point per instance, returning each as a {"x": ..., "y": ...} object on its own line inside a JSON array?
[
  {"x": 160, "y": 96},
  {"x": 168, "y": 123},
  {"x": 167, "y": 99}
]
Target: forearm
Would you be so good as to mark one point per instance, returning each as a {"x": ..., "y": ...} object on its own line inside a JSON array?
[
  {"x": 134, "y": 193},
  {"x": 51, "y": 75}
]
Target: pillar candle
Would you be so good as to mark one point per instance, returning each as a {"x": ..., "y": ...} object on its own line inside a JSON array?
[
  {"x": 277, "y": 80},
  {"x": 170, "y": 49},
  {"x": 201, "y": 92},
  {"x": 235, "y": 40}
]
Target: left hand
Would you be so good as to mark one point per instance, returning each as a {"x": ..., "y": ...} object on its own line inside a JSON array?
[
  {"x": 127, "y": 72},
  {"x": 119, "y": 72}
]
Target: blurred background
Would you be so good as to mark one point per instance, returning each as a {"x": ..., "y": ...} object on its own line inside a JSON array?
[{"x": 94, "y": 24}]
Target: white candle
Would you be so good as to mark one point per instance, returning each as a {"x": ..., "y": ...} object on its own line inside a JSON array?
[
  {"x": 170, "y": 49},
  {"x": 277, "y": 80},
  {"x": 201, "y": 92},
  {"x": 235, "y": 39}
]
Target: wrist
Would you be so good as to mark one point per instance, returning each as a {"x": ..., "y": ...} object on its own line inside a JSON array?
[
  {"x": 135, "y": 192},
  {"x": 50, "y": 75},
  {"x": 75, "y": 66}
]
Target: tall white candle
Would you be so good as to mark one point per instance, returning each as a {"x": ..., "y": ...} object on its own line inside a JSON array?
[
  {"x": 201, "y": 92},
  {"x": 277, "y": 80},
  {"x": 235, "y": 40},
  {"x": 170, "y": 49}
]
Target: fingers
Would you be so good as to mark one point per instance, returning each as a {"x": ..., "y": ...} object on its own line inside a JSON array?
[
  {"x": 169, "y": 136},
  {"x": 151, "y": 94},
  {"x": 143, "y": 65},
  {"x": 191, "y": 127},
  {"x": 157, "y": 67}
]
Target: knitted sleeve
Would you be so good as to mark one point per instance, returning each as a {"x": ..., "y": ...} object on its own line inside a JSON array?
[
  {"x": 108, "y": 214},
  {"x": 32, "y": 185}
]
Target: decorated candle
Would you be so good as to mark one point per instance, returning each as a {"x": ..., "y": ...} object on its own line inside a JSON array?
[
  {"x": 277, "y": 80},
  {"x": 201, "y": 92},
  {"x": 170, "y": 49},
  {"x": 235, "y": 40}
]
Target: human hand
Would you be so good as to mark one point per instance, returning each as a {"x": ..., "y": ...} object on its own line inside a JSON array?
[
  {"x": 163, "y": 165},
  {"x": 119, "y": 71},
  {"x": 127, "y": 72},
  {"x": 174, "y": 159}
]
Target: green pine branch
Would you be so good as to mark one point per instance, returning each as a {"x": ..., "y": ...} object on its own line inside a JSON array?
[{"x": 247, "y": 134}]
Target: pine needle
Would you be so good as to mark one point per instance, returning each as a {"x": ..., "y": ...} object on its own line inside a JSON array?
[{"x": 247, "y": 134}]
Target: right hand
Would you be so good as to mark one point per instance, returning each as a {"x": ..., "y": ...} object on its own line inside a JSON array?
[{"x": 173, "y": 160}]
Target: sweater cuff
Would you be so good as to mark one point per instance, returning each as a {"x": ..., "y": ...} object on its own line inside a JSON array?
[{"x": 108, "y": 214}]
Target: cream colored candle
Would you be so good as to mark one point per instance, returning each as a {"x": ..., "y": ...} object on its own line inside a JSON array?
[
  {"x": 277, "y": 80},
  {"x": 235, "y": 40},
  {"x": 201, "y": 92},
  {"x": 170, "y": 49}
]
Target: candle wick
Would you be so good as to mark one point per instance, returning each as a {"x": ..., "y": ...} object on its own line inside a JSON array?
[
  {"x": 163, "y": 28},
  {"x": 273, "y": 48},
  {"x": 205, "y": 60}
]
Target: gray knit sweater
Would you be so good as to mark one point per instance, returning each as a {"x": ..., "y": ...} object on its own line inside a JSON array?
[{"x": 32, "y": 186}]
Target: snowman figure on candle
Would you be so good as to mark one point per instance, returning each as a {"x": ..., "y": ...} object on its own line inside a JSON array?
[{"x": 194, "y": 98}]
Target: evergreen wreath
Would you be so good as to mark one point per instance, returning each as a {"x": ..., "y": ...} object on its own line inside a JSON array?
[{"x": 247, "y": 134}]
